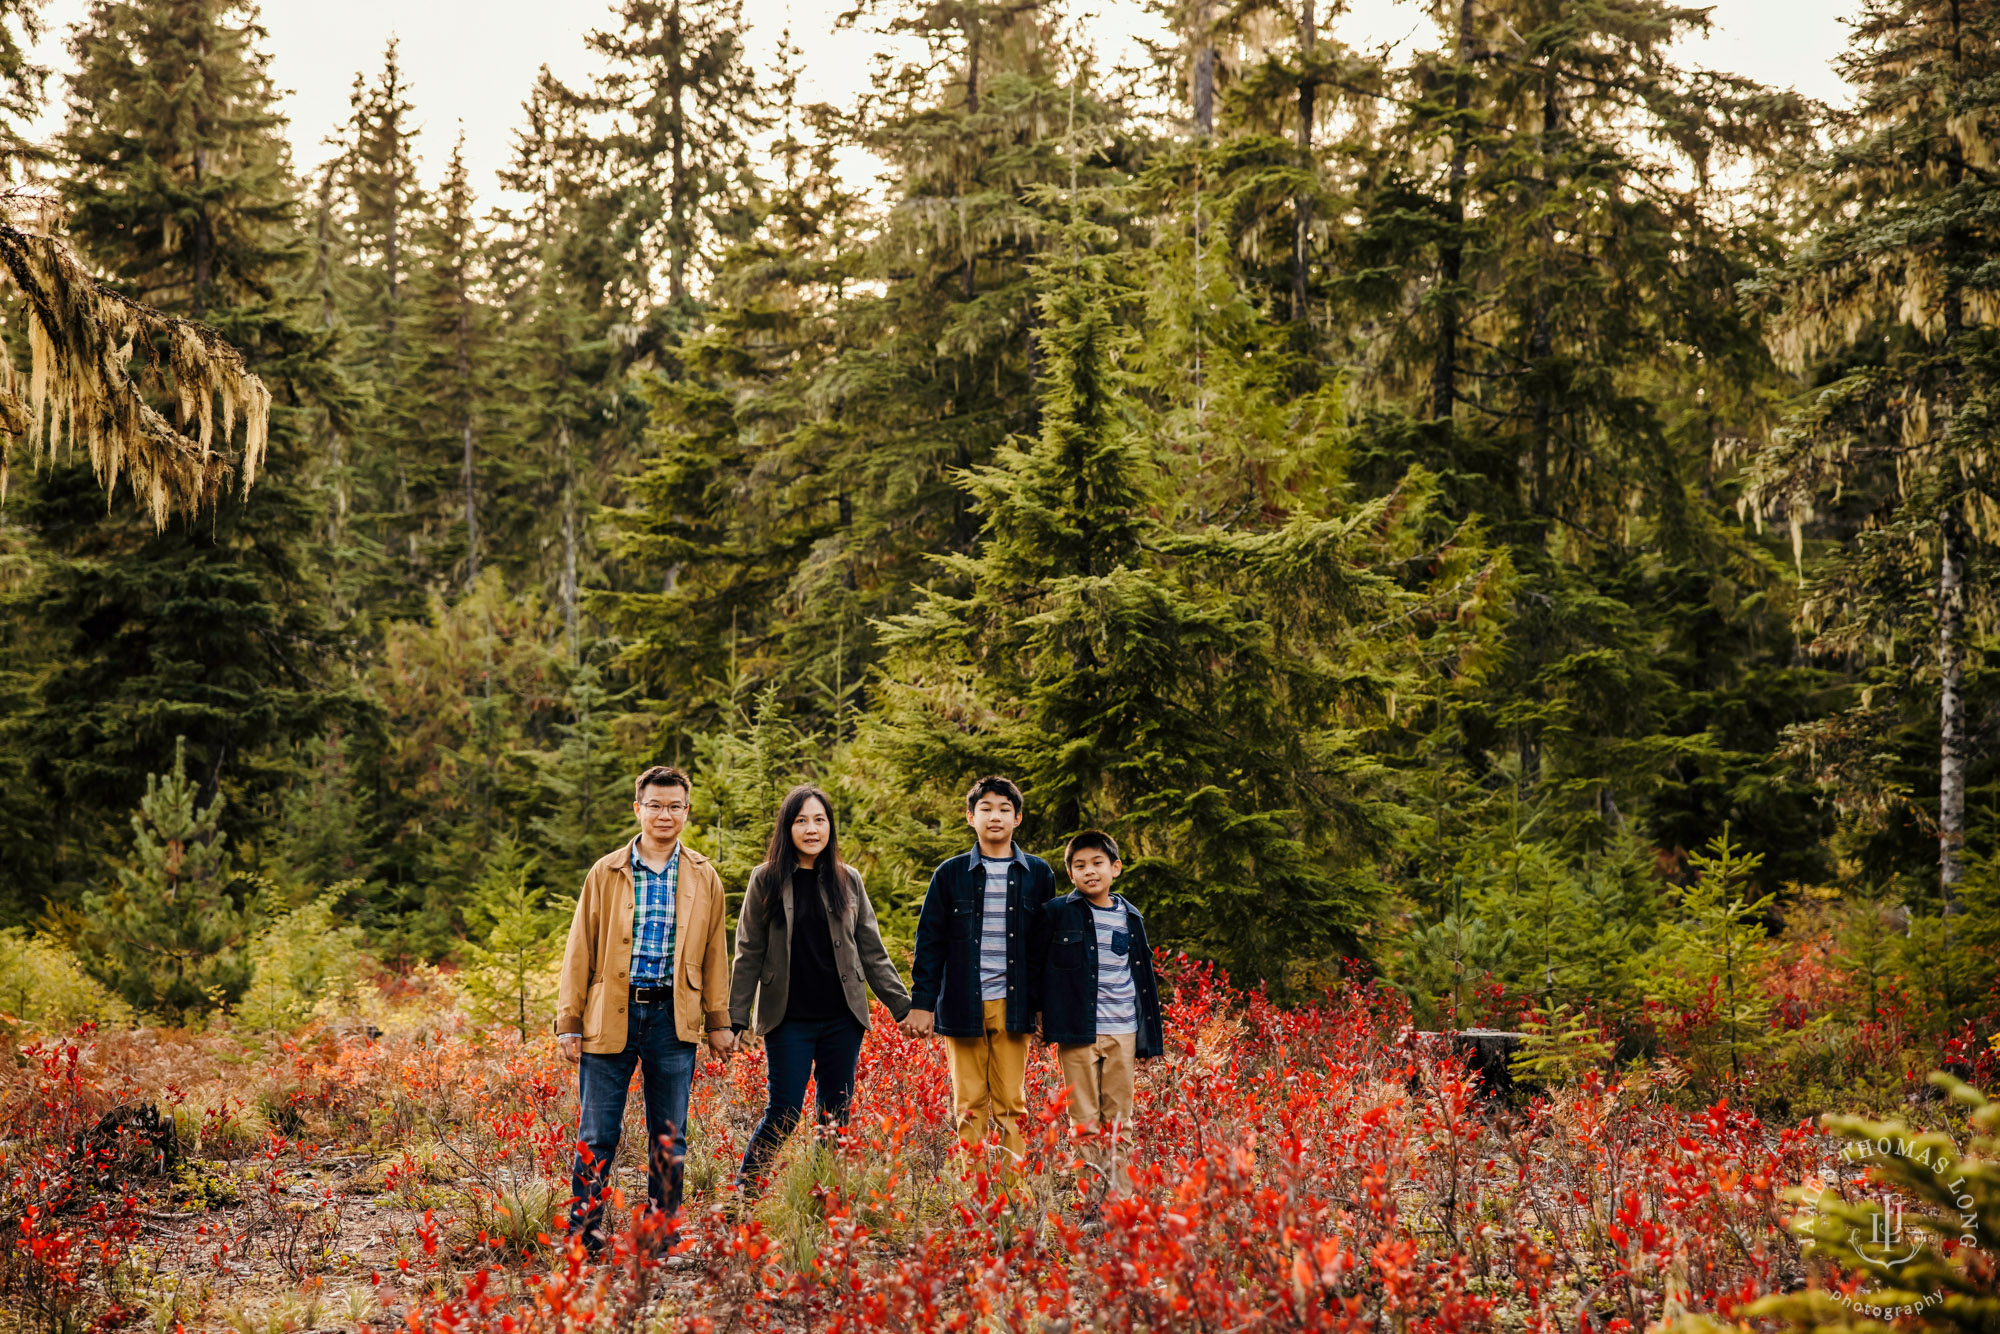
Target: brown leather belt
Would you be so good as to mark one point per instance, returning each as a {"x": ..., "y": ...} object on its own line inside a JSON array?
[{"x": 651, "y": 995}]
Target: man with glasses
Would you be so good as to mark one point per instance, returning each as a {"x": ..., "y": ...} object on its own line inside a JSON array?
[{"x": 645, "y": 979}]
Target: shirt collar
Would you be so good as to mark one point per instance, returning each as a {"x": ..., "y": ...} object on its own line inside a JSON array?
[
  {"x": 672, "y": 857},
  {"x": 1017, "y": 856}
]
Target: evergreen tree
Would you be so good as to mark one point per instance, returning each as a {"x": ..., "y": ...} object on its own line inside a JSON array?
[
  {"x": 685, "y": 106},
  {"x": 1542, "y": 269},
  {"x": 1182, "y": 700},
  {"x": 167, "y": 937},
  {"x": 809, "y": 437},
  {"x": 21, "y": 85},
  {"x": 571, "y": 293},
  {"x": 519, "y": 933},
  {"x": 469, "y": 698},
  {"x": 323, "y": 835},
  {"x": 305, "y": 959},
  {"x": 180, "y": 190},
  {"x": 377, "y": 180},
  {"x": 586, "y": 781},
  {"x": 1890, "y": 304},
  {"x": 435, "y": 410},
  {"x": 738, "y": 497},
  {"x": 1705, "y": 969}
]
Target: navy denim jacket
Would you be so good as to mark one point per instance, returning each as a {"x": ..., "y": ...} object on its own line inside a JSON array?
[
  {"x": 1063, "y": 970},
  {"x": 944, "y": 974}
]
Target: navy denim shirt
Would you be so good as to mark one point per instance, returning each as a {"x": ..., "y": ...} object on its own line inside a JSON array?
[
  {"x": 1062, "y": 968},
  {"x": 944, "y": 974}
]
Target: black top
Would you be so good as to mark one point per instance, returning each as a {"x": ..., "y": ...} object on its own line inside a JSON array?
[
  {"x": 944, "y": 974},
  {"x": 815, "y": 982},
  {"x": 1062, "y": 972}
]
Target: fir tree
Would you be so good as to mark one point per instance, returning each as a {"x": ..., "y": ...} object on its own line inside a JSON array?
[
  {"x": 1705, "y": 968},
  {"x": 469, "y": 698},
  {"x": 436, "y": 410},
  {"x": 1181, "y": 700},
  {"x": 323, "y": 835},
  {"x": 306, "y": 958},
  {"x": 586, "y": 780},
  {"x": 685, "y": 105},
  {"x": 377, "y": 179},
  {"x": 571, "y": 291},
  {"x": 181, "y": 191},
  {"x": 21, "y": 85},
  {"x": 167, "y": 937},
  {"x": 1890, "y": 304},
  {"x": 744, "y": 514},
  {"x": 511, "y": 964},
  {"x": 810, "y": 434}
]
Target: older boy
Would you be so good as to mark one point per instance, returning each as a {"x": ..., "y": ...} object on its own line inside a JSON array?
[
  {"x": 645, "y": 978},
  {"x": 969, "y": 976},
  {"x": 1093, "y": 986}
]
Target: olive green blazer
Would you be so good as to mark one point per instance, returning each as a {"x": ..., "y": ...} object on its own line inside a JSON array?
[{"x": 763, "y": 972}]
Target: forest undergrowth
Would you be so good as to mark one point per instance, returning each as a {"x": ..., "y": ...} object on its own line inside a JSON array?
[{"x": 1321, "y": 1166}]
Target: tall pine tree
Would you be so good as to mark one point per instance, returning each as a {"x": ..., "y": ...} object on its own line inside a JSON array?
[
  {"x": 1890, "y": 304},
  {"x": 180, "y": 190}
]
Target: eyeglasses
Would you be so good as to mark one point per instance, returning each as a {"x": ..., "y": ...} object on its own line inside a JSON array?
[{"x": 664, "y": 808}]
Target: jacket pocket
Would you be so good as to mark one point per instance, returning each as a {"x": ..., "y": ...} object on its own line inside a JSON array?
[
  {"x": 693, "y": 972},
  {"x": 593, "y": 1012},
  {"x": 964, "y": 923},
  {"x": 1066, "y": 950}
]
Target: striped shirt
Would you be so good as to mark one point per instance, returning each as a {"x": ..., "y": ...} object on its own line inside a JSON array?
[
  {"x": 1117, "y": 1000},
  {"x": 993, "y": 931},
  {"x": 653, "y": 918}
]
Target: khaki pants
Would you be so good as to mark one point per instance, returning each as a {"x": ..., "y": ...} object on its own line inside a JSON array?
[
  {"x": 988, "y": 1078},
  {"x": 1099, "y": 1076}
]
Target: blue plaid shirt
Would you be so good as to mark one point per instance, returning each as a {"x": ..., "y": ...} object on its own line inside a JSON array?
[{"x": 653, "y": 919}]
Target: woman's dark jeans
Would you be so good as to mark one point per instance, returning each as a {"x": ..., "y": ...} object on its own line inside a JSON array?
[{"x": 823, "y": 1050}]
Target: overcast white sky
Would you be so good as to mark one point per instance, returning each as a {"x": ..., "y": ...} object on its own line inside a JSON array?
[{"x": 470, "y": 62}]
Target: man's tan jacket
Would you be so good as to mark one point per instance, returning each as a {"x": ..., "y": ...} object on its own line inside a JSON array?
[{"x": 593, "y": 994}]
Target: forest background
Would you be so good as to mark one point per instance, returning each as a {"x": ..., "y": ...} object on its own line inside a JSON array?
[{"x": 1513, "y": 515}]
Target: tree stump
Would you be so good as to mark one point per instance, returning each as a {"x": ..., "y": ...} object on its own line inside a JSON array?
[
  {"x": 1486, "y": 1052},
  {"x": 132, "y": 1139}
]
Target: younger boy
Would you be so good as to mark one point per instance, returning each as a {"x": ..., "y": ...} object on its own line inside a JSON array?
[
  {"x": 1094, "y": 988},
  {"x": 969, "y": 976}
]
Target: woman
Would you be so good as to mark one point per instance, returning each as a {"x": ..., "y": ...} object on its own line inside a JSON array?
[{"x": 805, "y": 941}]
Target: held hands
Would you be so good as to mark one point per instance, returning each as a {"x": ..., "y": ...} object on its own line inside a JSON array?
[
  {"x": 722, "y": 1041},
  {"x": 920, "y": 1023},
  {"x": 571, "y": 1046}
]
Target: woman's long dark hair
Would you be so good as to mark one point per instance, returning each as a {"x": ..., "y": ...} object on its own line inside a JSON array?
[{"x": 781, "y": 858}]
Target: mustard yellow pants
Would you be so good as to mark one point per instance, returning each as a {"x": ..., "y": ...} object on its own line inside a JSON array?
[{"x": 988, "y": 1078}]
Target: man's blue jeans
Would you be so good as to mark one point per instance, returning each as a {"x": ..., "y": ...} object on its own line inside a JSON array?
[
  {"x": 822, "y": 1050},
  {"x": 666, "y": 1070}
]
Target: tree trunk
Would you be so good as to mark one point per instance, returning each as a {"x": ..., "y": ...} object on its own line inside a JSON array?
[
  {"x": 1203, "y": 90},
  {"x": 569, "y": 537},
  {"x": 1951, "y": 593},
  {"x": 1302, "y": 204},
  {"x": 471, "y": 507},
  {"x": 1451, "y": 257},
  {"x": 968, "y": 275},
  {"x": 463, "y": 370},
  {"x": 677, "y": 259},
  {"x": 392, "y": 250},
  {"x": 203, "y": 243},
  {"x": 1540, "y": 340},
  {"x": 1951, "y": 719}
]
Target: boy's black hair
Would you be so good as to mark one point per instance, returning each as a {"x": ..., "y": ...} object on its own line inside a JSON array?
[
  {"x": 995, "y": 786},
  {"x": 1088, "y": 840}
]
